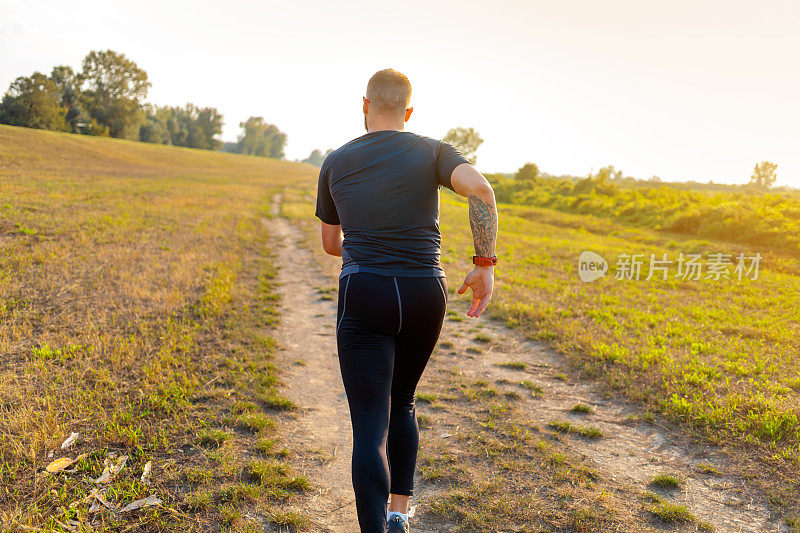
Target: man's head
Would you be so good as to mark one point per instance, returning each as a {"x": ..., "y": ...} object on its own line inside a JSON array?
[{"x": 387, "y": 99}]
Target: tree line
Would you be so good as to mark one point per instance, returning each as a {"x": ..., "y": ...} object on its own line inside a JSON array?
[
  {"x": 107, "y": 98},
  {"x": 756, "y": 214}
]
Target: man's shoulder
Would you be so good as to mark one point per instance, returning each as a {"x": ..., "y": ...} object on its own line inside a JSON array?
[
  {"x": 425, "y": 138},
  {"x": 430, "y": 141},
  {"x": 332, "y": 155},
  {"x": 354, "y": 144}
]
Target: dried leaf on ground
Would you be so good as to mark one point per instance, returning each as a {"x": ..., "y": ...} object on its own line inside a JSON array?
[
  {"x": 111, "y": 470},
  {"x": 148, "y": 469},
  {"x": 100, "y": 497},
  {"x": 144, "y": 502},
  {"x": 71, "y": 528},
  {"x": 69, "y": 441},
  {"x": 63, "y": 462}
]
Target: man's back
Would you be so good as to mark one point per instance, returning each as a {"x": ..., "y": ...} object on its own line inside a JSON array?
[
  {"x": 381, "y": 191},
  {"x": 382, "y": 188}
]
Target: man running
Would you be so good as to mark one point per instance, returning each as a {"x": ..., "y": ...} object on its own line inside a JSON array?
[{"x": 382, "y": 191}]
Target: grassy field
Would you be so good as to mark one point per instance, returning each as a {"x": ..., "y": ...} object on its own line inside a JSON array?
[
  {"x": 136, "y": 303},
  {"x": 719, "y": 358}
]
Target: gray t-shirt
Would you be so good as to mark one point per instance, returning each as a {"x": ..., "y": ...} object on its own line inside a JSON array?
[{"x": 383, "y": 188}]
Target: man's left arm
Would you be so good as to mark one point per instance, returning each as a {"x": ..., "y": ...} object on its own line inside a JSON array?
[{"x": 470, "y": 183}]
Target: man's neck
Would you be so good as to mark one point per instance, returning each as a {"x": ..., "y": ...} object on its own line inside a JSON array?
[
  {"x": 381, "y": 125},
  {"x": 382, "y": 128}
]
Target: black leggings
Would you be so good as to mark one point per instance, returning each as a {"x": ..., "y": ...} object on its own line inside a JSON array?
[{"x": 386, "y": 330}]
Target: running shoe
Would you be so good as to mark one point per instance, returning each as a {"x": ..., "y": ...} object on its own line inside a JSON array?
[{"x": 397, "y": 525}]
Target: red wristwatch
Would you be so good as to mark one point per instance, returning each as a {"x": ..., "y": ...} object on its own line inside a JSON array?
[{"x": 484, "y": 261}]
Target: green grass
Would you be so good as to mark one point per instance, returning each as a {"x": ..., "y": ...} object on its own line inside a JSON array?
[
  {"x": 666, "y": 481},
  {"x": 535, "y": 389},
  {"x": 239, "y": 492},
  {"x": 424, "y": 421},
  {"x": 266, "y": 445},
  {"x": 278, "y": 402},
  {"x": 584, "y": 431},
  {"x": 651, "y": 497},
  {"x": 256, "y": 421},
  {"x": 454, "y": 316},
  {"x": 297, "y": 483},
  {"x": 198, "y": 475},
  {"x": 289, "y": 518},
  {"x": 717, "y": 357},
  {"x": 213, "y": 437},
  {"x": 426, "y": 397},
  {"x": 265, "y": 471},
  {"x": 230, "y": 514},
  {"x": 199, "y": 500},
  {"x": 581, "y": 408},
  {"x": 708, "y": 469},
  {"x": 513, "y": 365},
  {"x": 671, "y": 513},
  {"x": 275, "y": 478}
]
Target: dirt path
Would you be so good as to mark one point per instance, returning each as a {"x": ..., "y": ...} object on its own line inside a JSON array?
[
  {"x": 322, "y": 432},
  {"x": 629, "y": 452}
]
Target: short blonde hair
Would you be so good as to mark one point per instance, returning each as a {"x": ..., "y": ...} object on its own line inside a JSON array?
[{"x": 389, "y": 91}]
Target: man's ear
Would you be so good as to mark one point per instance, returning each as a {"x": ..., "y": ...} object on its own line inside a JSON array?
[
  {"x": 408, "y": 114},
  {"x": 366, "y": 104}
]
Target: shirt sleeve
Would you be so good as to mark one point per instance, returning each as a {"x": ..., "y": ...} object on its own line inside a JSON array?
[
  {"x": 447, "y": 159},
  {"x": 326, "y": 209}
]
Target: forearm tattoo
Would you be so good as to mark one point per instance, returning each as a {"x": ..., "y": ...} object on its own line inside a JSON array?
[{"x": 483, "y": 221}]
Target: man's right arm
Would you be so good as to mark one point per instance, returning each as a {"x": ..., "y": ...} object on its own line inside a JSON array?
[
  {"x": 331, "y": 238},
  {"x": 331, "y": 229},
  {"x": 468, "y": 182}
]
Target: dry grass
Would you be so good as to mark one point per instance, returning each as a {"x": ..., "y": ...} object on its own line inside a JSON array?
[{"x": 135, "y": 308}]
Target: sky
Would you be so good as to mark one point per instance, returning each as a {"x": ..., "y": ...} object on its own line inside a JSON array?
[{"x": 682, "y": 90}]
